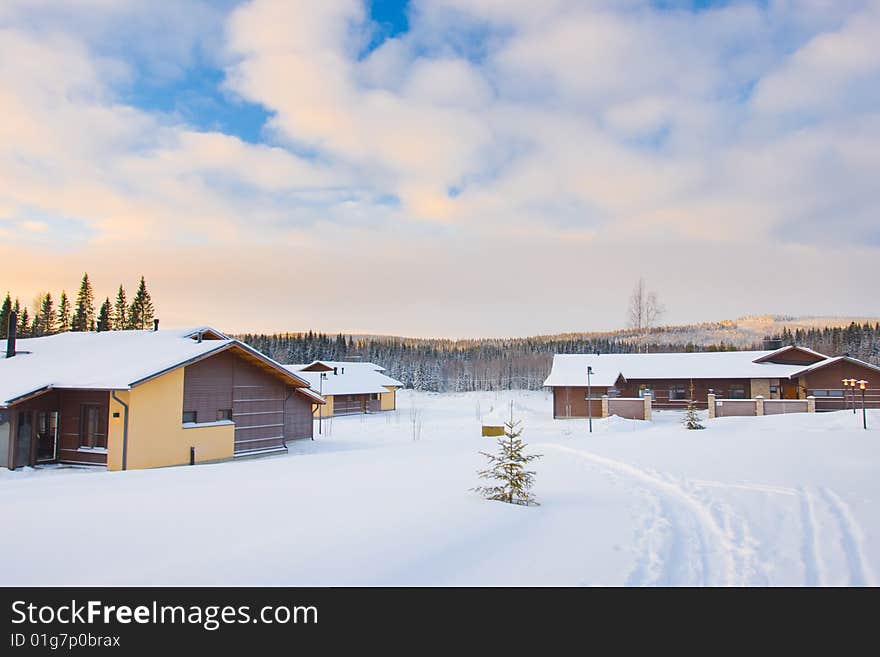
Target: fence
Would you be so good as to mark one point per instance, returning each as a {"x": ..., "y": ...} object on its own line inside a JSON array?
[
  {"x": 839, "y": 399},
  {"x": 758, "y": 406},
  {"x": 632, "y": 408}
]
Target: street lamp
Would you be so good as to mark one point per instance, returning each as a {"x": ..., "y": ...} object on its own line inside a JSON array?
[
  {"x": 862, "y": 386},
  {"x": 589, "y": 398},
  {"x": 320, "y": 406}
]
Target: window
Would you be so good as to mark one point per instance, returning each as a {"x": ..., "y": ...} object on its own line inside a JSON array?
[
  {"x": 224, "y": 414},
  {"x": 374, "y": 396},
  {"x": 827, "y": 393},
  {"x": 677, "y": 393},
  {"x": 736, "y": 391},
  {"x": 189, "y": 417},
  {"x": 91, "y": 433}
]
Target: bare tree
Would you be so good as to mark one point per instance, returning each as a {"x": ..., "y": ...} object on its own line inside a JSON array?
[{"x": 645, "y": 310}]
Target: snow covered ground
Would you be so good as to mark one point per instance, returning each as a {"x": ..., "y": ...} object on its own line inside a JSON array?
[{"x": 780, "y": 500}]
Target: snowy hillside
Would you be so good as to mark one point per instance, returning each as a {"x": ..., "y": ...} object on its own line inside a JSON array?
[{"x": 781, "y": 500}]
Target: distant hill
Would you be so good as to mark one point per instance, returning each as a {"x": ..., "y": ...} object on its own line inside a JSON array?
[
  {"x": 499, "y": 363},
  {"x": 742, "y": 333}
]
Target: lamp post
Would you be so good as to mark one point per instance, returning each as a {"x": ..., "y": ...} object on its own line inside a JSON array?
[
  {"x": 862, "y": 386},
  {"x": 849, "y": 383},
  {"x": 320, "y": 406},
  {"x": 589, "y": 399}
]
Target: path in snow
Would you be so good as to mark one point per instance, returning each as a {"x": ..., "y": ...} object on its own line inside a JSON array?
[{"x": 684, "y": 537}]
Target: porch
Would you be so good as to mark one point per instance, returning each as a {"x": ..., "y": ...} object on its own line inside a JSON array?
[{"x": 58, "y": 426}]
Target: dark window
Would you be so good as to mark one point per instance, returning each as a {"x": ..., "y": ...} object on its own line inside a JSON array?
[
  {"x": 91, "y": 431},
  {"x": 677, "y": 393},
  {"x": 736, "y": 391},
  {"x": 189, "y": 417},
  {"x": 224, "y": 414}
]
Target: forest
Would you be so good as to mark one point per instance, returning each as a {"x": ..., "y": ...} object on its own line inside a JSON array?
[{"x": 441, "y": 365}]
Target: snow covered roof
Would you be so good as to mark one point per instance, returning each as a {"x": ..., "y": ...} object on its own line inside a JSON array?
[
  {"x": 770, "y": 355},
  {"x": 112, "y": 360},
  {"x": 571, "y": 369},
  {"x": 830, "y": 361},
  {"x": 351, "y": 378},
  {"x": 339, "y": 364}
]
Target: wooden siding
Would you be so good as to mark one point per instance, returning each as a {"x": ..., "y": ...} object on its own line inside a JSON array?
[
  {"x": 570, "y": 401},
  {"x": 266, "y": 412},
  {"x": 297, "y": 416},
  {"x": 795, "y": 357},
  {"x": 819, "y": 381}
]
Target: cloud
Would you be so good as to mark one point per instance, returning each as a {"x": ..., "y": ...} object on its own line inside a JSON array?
[{"x": 579, "y": 141}]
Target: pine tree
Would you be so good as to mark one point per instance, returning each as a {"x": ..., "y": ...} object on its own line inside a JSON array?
[
  {"x": 63, "y": 313},
  {"x": 507, "y": 467},
  {"x": 24, "y": 324},
  {"x": 141, "y": 312},
  {"x": 120, "y": 311},
  {"x": 84, "y": 313},
  {"x": 5, "y": 311},
  {"x": 691, "y": 419},
  {"x": 47, "y": 315},
  {"x": 105, "y": 319}
]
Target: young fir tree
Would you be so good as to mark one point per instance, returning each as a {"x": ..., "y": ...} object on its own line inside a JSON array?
[
  {"x": 507, "y": 468},
  {"x": 47, "y": 315},
  {"x": 105, "y": 318},
  {"x": 141, "y": 312},
  {"x": 120, "y": 311},
  {"x": 691, "y": 419},
  {"x": 84, "y": 313},
  {"x": 63, "y": 313},
  {"x": 24, "y": 324},
  {"x": 5, "y": 312}
]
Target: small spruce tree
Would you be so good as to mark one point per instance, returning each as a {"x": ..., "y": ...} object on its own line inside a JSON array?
[
  {"x": 507, "y": 469},
  {"x": 120, "y": 311},
  {"x": 47, "y": 315},
  {"x": 691, "y": 419},
  {"x": 84, "y": 313},
  {"x": 63, "y": 313},
  {"x": 105, "y": 319},
  {"x": 5, "y": 311},
  {"x": 141, "y": 312},
  {"x": 24, "y": 324}
]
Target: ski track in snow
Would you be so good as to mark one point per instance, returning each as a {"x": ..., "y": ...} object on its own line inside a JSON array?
[
  {"x": 851, "y": 539},
  {"x": 698, "y": 550},
  {"x": 685, "y": 538},
  {"x": 814, "y": 571}
]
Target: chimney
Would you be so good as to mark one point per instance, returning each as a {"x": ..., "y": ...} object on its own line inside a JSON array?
[
  {"x": 11, "y": 330},
  {"x": 342, "y": 371},
  {"x": 335, "y": 372},
  {"x": 772, "y": 343},
  {"x": 155, "y": 324}
]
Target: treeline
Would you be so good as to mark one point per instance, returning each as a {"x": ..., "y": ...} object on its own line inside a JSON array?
[
  {"x": 45, "y": 317},
  {"x": 450, "y": 365},
  {"x": 500, "y": 364},
  {"x": 860, "y": 341}
]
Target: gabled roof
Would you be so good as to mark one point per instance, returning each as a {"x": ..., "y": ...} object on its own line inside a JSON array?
[
  {"x": 351, "y": 378},
  {"x": 327, "y": 365},
  {"x": 114, "y": 360},
  {"x": 571, "y": 369},
  {"x": 831, "y": 361},
  {"x": 784, "y": 350}
]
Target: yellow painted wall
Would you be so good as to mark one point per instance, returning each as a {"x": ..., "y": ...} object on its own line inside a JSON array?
[
  {"x": 326, "y": 410},
  {"x": 156, "y": 436},
  {"x": 388, "y": 399},
  {"x": 761, "y": 387}
]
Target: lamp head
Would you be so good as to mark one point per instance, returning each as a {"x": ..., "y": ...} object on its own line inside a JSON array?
[{"x": 863, "y": 384}]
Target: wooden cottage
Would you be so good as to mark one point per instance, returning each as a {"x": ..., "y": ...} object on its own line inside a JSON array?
[
  {"x": 350, "y": 387},
  {"x": 674, "y": 378},
  {"x": 141, "y": 399}
]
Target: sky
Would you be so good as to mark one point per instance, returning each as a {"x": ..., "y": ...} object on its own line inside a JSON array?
[{"x": 454, "y": 168}]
